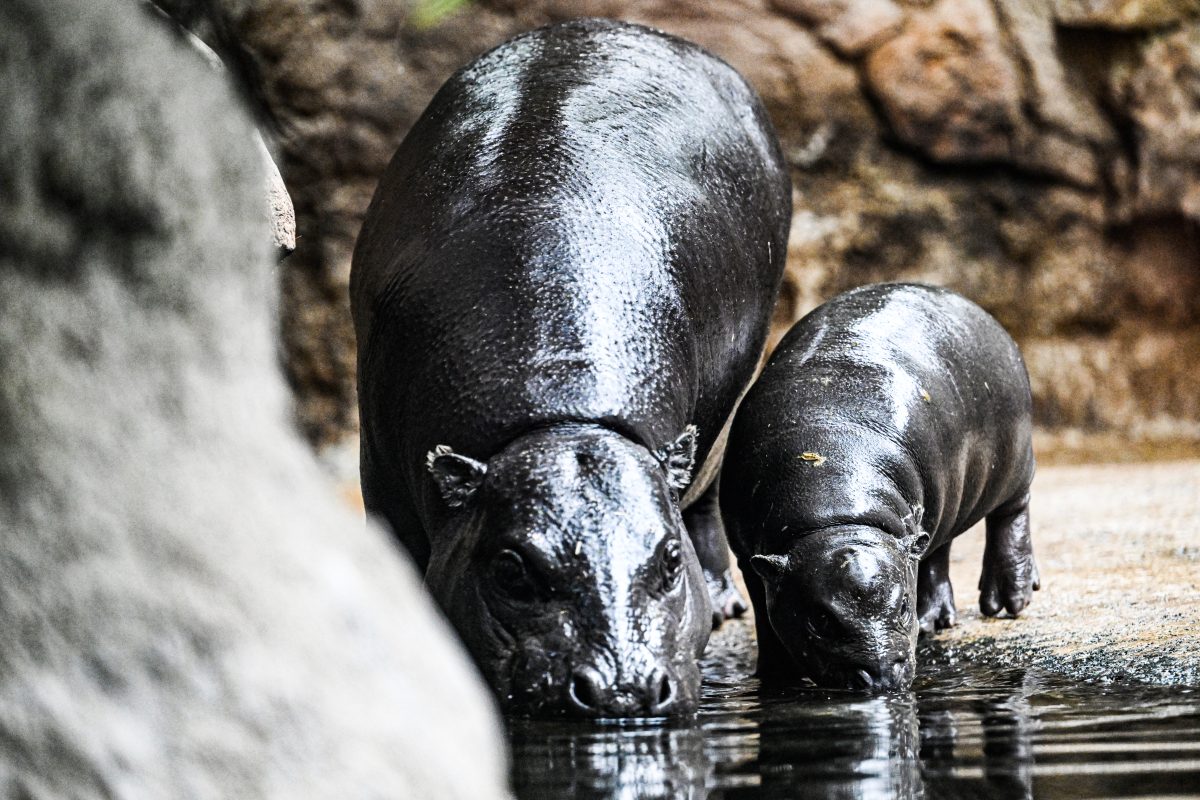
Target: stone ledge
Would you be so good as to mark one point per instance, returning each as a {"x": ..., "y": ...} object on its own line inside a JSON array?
[{"x": 1118, "y": 547}]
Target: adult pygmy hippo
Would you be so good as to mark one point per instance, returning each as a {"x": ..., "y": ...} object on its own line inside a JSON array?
[
  {"x": 889, "y": 420},
  {"x": 561, "y": 289}
]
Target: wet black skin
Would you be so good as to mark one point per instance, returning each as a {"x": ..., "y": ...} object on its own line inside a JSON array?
[
  {"x": 561, "y": 289},
  {"x": 888, "y": 421}
]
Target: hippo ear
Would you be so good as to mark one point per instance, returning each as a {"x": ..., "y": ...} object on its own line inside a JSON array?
[
  {"x": 770, "y": 567},
  {"x": 457, "y": 476},
  {"x": 915, "y": 540},
  {"x": 678, "y": 457},
  {"x": 916, "y": 544}
]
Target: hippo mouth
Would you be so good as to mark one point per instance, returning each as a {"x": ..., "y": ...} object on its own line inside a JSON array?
[
  {"x": 850, "y": 677},
  {"x": 539, "y": 686},
  {"x": 829, "y": 672},
  {"x": 589, "y": 696}
]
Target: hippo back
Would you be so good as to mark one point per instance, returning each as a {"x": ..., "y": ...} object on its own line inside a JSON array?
[
  {"x": 587, "y": 224},
  {"x": 883, "y": 399}
]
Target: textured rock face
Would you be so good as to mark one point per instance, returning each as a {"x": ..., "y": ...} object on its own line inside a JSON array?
[
  {"x": 185, "y": 609},
  {"x": 1041, "y": 157},
  {"x": 946, "y": 85}
]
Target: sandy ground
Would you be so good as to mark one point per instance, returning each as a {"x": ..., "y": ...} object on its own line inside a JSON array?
[{"x": 1118, "y": 546}]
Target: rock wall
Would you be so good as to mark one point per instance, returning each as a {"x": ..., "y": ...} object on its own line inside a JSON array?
[{"x": 1040, "y": 156}]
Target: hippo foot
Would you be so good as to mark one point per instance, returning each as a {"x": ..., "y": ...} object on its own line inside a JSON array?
[
  {"x": 727, "y": 601},
  {"x": 937, "y": 612},
  {"x": 935, "y": 594},
  {"x": 1008, "y": 585}
]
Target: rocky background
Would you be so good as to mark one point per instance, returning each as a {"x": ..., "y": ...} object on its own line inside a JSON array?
[{"x": 1040, "y": 156}]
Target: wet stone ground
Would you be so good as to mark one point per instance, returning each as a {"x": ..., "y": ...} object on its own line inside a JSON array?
[
  {"x": 1093, "y": 693},
  {"x": 1118, "y": 547}
]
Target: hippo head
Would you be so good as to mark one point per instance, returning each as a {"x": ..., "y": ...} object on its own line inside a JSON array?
[
  {"x": 843, "y": 602},
  {"x": 570, "y": 575}
]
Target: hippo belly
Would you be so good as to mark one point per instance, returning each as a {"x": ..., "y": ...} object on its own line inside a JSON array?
[{"x": 562, "y": 287}]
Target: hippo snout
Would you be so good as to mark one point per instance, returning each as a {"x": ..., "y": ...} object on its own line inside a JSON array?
[
  {"x": 893, "y": 673},
  {"x": 591, "y": 694},
  {"x": 889, "y": 674}
]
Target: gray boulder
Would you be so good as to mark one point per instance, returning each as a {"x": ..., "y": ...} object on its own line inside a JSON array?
[{"x": 185, "y": 609}]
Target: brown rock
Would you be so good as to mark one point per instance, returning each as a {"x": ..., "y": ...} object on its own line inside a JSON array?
[
  {"x": 852, "y": 27},
  {"x": 1161, "y": 97},
  {"x": 1059, "y": 99},
  {"x": 947, "y": 85},
  {"x": 1160, "y": 264},
  {"x": 1050, "y": 152},
  {"x": 1050, "y": 173},
  {"x": 1124, "y": 14},
  {"x": 1117, "y": 382},
  {"x": 346, "y": 80},
  {"x": 1073, "y": 286},
  {"x": 1077, "y": 381}
]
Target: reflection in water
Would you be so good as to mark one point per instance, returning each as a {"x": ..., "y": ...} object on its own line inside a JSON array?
[
  {"x": 977, "y": 741},
  {"x": 582, "y": 760},
  {"x": 830, "y": 746},
  {"x": 963, "y": 733}
]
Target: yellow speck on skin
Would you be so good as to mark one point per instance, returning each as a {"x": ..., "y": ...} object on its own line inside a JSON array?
[
  {"x": 816, "y": 459},
  {"x": 925, "y": 396}
]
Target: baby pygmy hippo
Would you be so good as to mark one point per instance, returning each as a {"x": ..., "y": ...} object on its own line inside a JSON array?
[{"x": 888, "y": 421}]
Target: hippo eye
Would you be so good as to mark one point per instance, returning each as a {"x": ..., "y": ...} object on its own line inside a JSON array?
[
  {"x": 904, "y": 608},
  {"x": 671, "y": 562},
  {"x": 508, "y": 570},
  {"x": 822, "y": 625}
]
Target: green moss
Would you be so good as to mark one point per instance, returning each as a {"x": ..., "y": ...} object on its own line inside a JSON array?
[{"x": 427, "y": 13}]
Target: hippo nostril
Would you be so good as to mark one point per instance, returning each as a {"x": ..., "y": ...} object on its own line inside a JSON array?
[
  {"x": 590, "y": 695},
  {"x": 666, "y": 691},
  {"x": 585, "y": 690}
]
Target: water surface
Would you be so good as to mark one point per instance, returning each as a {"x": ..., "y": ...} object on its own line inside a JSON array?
[{"x": 963, "y": 732}]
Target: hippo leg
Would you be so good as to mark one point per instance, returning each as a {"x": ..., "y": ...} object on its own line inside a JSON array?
[
  {"x": 703, "y": 521},
  {"x": 935, "y": 595},
  {"x": 1009, "y": 573},
  {"x": 774, "y": 661}
]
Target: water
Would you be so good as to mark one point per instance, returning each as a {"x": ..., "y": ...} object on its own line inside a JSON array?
[{"x": 962, "y": 733}]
